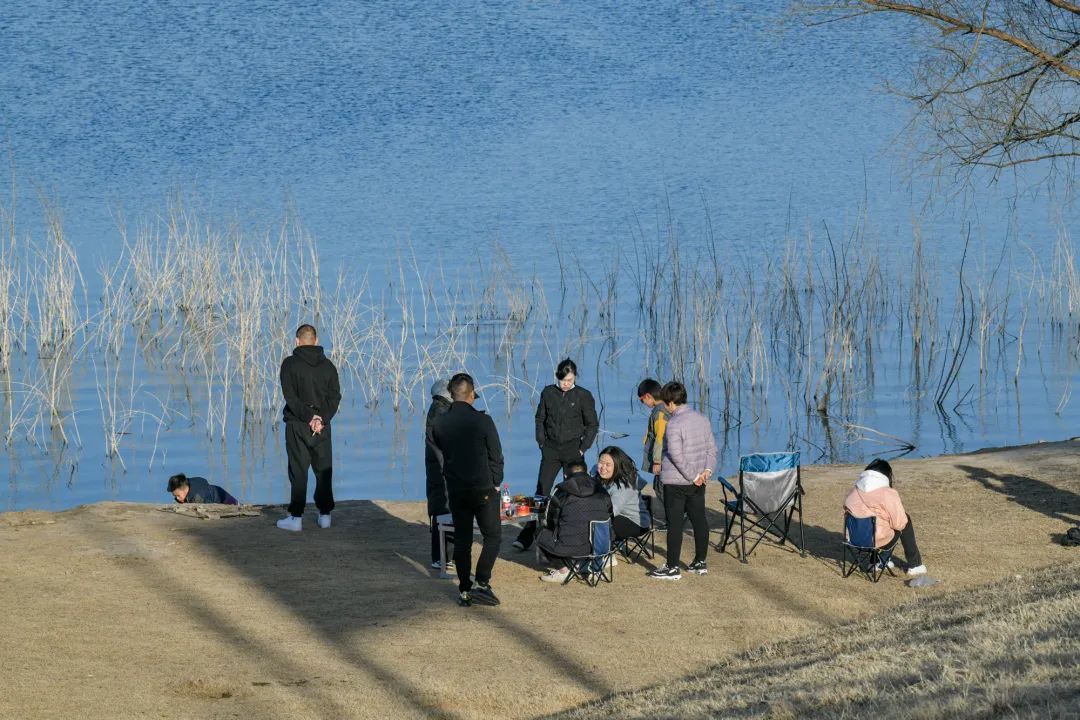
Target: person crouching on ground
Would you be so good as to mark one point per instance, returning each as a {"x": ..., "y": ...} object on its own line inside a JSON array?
[
  {"x": 186, "y": 489},
  {"x": 433, "y": 461},
  {"x": 473, "y": 470},
  {"x": 577, "y": 501},
  {"x": 874, "y": 496},
  {"x": 689, "y": 457},
  {"x": 630, "y": 511}
]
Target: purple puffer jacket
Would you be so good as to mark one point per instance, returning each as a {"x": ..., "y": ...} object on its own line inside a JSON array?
[{"x": 689, "y": 447}]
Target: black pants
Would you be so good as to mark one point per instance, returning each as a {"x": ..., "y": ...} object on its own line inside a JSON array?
[
  {"x": 315, "y": 452},
  {"x": 481, "y": 506},
  {"x": 435, "y": 555},
  {"x": 907, "y": 540},
  {"x": 625, "y": 528},
  {"x": 688, "y": 499},
  {"x": 658, "y": 512},
  {"x": 553, "y": 460}
]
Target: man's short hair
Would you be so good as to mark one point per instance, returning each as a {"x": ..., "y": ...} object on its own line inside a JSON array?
[
  {"x": 461, "y": 385},
  {"x": 576, "y": 466},
  {"x": 674, "y": 392},
  {"x": 306, "y": 333},
  {"x": 566, "y": 367},
  {"x": 177, "y": 481},
  {"x": 648, "y": 386}
]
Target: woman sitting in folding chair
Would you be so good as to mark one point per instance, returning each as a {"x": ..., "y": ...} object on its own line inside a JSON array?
[
  {"x": 575, "y": 503},
  {"x": 619, "y": 476},
  {"x": 874, "y": 496}
]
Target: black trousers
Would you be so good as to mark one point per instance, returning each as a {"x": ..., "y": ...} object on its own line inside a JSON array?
[
  {"x": 658, "y": 512},
  {"x": 481, "y": 507},
  {"x": 553, "y": 460},
  {"x": 315, "y": 452},
  {"x": 625, "y": 528},
  {"x": 907, "y": 540},
  {"x": 688, "y": 499}
]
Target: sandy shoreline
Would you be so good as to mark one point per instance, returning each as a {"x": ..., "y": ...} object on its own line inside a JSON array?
[{"x": 120, "y": 610}]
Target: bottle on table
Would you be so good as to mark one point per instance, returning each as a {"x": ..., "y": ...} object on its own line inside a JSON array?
[{"x": 507, "y": 506}]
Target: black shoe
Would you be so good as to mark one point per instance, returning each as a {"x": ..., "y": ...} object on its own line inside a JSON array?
[
  {"x": 665, "y": 573},
  {"x": 465, "y": 599},
  {"x": 698, "y": 567},
  {"x": 482, "y": 595}
]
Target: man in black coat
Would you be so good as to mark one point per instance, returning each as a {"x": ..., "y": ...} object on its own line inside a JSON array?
[
  {"x": 577, "y": 502},
  {"x": 309, "y": 382},
  {"x": 436, "y": 485},
  {"x": 566, "y": 426},
  {"x": 473, "y": 470}
]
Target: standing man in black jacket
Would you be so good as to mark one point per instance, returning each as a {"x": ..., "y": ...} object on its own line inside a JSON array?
[
  {"x": 566, "y": 426},
  {"x": 433, "y": 460},
  {"x": 309, "y": 382},
  {"x": 473, "y": 469}
]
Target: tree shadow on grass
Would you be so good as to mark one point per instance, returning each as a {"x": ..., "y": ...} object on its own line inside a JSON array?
[
  {"x": 1053, "y": 502},
  {"x": 335, "y": 583}
]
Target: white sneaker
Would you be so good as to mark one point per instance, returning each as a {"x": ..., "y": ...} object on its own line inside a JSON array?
[
  {"x": 290, "y": 523},
  {"x": 555, "y": 575},
  {"x": 917, "y": 570},
  {"x": 324, "y": 521},
  {"x": 614, "y": 560}
]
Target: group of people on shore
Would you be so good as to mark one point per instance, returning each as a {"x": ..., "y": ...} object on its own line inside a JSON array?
[{"x": 464, "y": 466}]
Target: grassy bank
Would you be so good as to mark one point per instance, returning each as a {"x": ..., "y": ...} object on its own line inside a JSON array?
[{"x": 1008, "y": 649}]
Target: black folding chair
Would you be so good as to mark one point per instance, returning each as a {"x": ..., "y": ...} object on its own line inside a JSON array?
[
  {"x": 769, "y": 496},
  {"x": 633, "y": 548},
  {"x": 860, "y": 548},
  {"x": 596, "y": 566}
]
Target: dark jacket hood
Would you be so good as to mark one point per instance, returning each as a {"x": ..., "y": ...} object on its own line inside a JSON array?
[
  {"x": 581, "y": 485},
  {"x": 311, "y": 354}
]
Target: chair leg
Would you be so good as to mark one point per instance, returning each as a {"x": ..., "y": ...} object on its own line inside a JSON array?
[{"x": 742, "y": 536}]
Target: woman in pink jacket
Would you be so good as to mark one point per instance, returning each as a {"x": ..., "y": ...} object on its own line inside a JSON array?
[{"x": 873, "y": 496}]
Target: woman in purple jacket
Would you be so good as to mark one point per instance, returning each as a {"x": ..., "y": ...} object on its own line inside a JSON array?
[{"x": 687, "y": 462}]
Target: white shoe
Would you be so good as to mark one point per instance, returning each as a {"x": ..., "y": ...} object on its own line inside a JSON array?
[
  {"x": 555, "y": 575},
  {"x": 917, "y": 570},
  {"x": 614, "y": 560},
  {"x": 324, "y": 521},
  {"x": 291, "y": 523}
]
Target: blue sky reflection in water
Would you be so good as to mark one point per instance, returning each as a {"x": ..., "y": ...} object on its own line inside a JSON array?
[{"x": 493, "y": 131}]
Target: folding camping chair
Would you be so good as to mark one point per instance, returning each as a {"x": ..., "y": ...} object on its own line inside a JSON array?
[
  {"x": 597, "y": 565},
  {"x": 769, "y": 495},
  {"x": 860, "y": 546},
  {"x": 632, "y": 548}
]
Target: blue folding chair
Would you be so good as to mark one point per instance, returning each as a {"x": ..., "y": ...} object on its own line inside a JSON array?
[
  {"x": 860, "y": 547},
  {"x": 769, "y": 496},
  {"x": 598, "y": 565}
]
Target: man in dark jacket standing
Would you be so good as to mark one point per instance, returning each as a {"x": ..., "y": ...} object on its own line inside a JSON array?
[
  {"x": 473, "y": 469},
  {"x": 566, "y": 426},
  {"x": 436, "y": 485},
  {"x": 309, "y": 382}
]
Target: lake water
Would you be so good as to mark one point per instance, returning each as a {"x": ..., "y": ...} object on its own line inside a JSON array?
[{"x": 504, "y": 140}]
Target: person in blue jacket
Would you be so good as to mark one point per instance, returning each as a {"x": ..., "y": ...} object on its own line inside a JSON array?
[{"x": 186, "y": 489}]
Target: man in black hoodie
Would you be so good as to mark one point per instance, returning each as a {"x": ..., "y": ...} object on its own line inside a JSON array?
[
  {"x": 309, "y": 382},
  {"x": 473, "y": 469},
  {"x": 566, "y": 426}
]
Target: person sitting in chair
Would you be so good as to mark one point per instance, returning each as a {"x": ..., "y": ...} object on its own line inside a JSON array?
[
  {"x": 577, "y": 501},
  {"x": 616, "y": 472},
  {"x": 874, "y": 496},
  {"x": 186, "y": 489}
]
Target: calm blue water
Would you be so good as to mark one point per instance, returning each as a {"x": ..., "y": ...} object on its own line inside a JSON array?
[{"x": 455, "y": 129}]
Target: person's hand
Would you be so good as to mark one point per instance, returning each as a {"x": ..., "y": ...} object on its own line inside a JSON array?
[
  {"x": 316, "y": 425},
  {"x": 655, "y": 469}
]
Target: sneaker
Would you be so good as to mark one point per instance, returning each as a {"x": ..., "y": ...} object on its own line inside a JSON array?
[
  {"x": 555, "y": 575},
  {"x": 698, "y": 567},
  {"x": 436, "y": 565},
  {"x": 291, "y": 523},
  {"x": 483, "y": 595},
  {"x": 324, "y": 521},
  {"x": 464, "y": 598},
  {"x": 665, "y": 573},
  {"x": 518, "y": 545},
  {"x": 917, "y": 570}
]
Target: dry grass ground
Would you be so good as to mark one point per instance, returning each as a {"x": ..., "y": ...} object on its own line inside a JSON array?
[{"x": 121, "y": 611}]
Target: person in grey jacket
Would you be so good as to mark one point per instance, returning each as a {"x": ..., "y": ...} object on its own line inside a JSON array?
[
  {"x": 688, "y": 460},
  {"x": 630, "y": 512}
]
